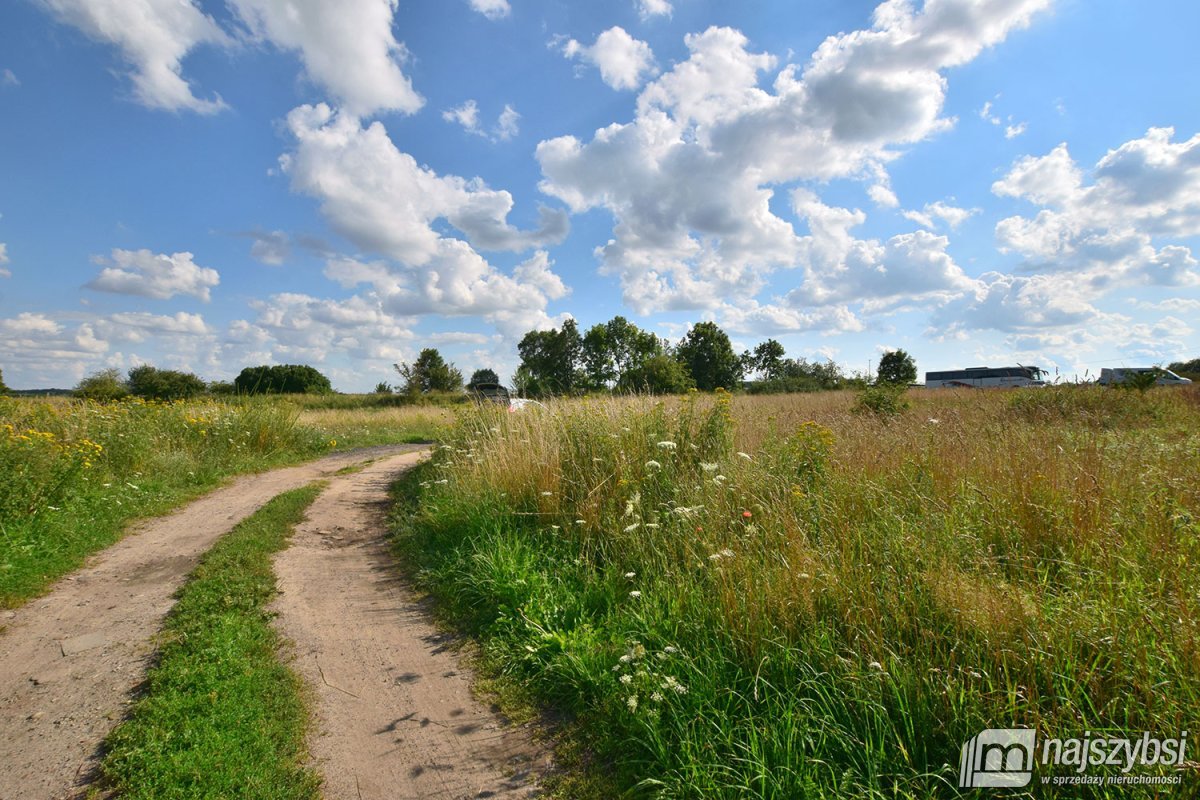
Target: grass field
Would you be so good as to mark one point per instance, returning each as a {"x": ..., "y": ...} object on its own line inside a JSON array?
[
  {"x": 221, "y": 717},
  {"x": 73, "y": 473},
  {"x": 778, "y": 597}
]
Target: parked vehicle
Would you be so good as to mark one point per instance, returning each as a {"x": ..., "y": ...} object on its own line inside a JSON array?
[
  {"x": 1114, "y": 375},
  {"x": 500, "y": 395},
  {"x": 982, "y": 377}
]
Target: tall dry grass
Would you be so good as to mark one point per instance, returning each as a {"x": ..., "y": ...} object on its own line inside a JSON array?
[{"x": 845, "y": 597}]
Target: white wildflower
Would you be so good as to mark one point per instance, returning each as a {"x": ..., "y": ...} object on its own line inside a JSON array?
[
  {"x": 876, "y": 666},
  {"x": 651, "y": 524},
  {"x": 666, "y": 445},
  {"x": 625, "y": 659},
  {"x": 656, "y": 697},
  {"x": 746, "y": 456},
  {"x": 652, "y": 464},
  {"x": 671, "y": 649},
  {"x": 934, "y": 421},
  {"x": 635, "y": 594},
  {"x": 442, "y": 482},
  {"x": 719, "y": 479},
  {"x": 631, "y": 701},
  {"x": 632, "y": 528},
  {"x": 630, "y": 574},
  {"x": 547, "y": 494},
  {"x": 728, "y": 553},
  {"x": 709, "y": 467},
  {"x": 626, "y": 679},
  {"x": 579, "y": 522}
]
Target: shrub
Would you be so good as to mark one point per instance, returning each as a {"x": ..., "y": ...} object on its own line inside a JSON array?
[
  {"x": 883, "y": 400},
  {"x": 103, "y": 387},
  {"x": 282, "y": 379},
  {"x": 164, "y": 384}
]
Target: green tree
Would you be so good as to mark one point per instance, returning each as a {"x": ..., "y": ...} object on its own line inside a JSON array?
[
  {"x": 708, "y": 356},
  {"x": 550, "y": 362},
  {"x": 897, "y": 366},
  {"x": 164, "y": 384},
  {"x": 614, "y": 348},
  {"x": 430, "y": 373},
  {"x": 3, "y": 388},
  {"x": 660, "y": 374},
  {"x": 383, "y": 387},
  {"x": 482, "y": 377},
  {"x": 1186, "y": 369},
  {"x": 104, "y": 386},
  {"x": 282, "y": 379},
  {"x": 766, "y": 359}
]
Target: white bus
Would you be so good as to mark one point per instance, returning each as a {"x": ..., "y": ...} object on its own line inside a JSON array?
[{"x": 981, "y": 377}]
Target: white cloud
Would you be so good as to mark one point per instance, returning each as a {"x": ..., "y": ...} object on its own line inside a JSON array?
[
  {"x": 383, "y": 201},
  {"x": 347, "y": 47},
  {"x": 1013, "y": 131},
  {"x": 621, "y": 59},
  {"x": 492, "y": 9},
  {"x": 466, "y": 115},
  {"x": 153, "y": 36},
  {"x": 690, "y": 178},
  {"x": 4, "y": 260},
  {"x": 9, "y": 78},
  {"x": 1146, "y": 189},
  {"x": 138, "y": 326},
  {"x": 653, "y": 8},
  {"x": 270, "y": 247},
  {"x": 387, "y": 204},
  {"x": 27, "y": 323},
  {"x": 951, "y": 215},
  {"x": 508, "y": 124},
  {"x": 158, "y": 276}
]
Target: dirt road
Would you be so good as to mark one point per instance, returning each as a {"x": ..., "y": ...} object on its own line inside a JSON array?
[
  {"x": 395, "y": 715},
  {"x": 71, "y": 661}
]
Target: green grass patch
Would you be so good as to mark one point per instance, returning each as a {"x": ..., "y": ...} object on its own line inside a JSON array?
[
  {"x": 74, "y": 473},
  {"x": 221, "y": 717}
]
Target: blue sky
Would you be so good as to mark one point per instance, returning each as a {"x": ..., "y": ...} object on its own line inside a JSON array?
[{"x": 211, "y": 185}]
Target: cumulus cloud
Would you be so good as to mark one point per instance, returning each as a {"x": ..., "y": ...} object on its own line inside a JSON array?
[
  {"x": 466, "y": 115},
  {"x": 347, "y": 48},
  {"x": 509, "y": 123},
  {"x": 953, "y": 216},
  {"x": 9, "y": 78},
  {"x": 492, "y": 9},
  {"x": 153, "y": 37},
  {"x": 154, "y": 275},
  {"x": 1147, "y": 189},
  {"x": 138, "y": 326},
  {"x": 382, "y": 200},
  {"x": 4, "y": 260},
  {"x": 653, "y": 8},
  {"x": 622, "y": 60},
  {"x": 689, "y": 180},
  {"x": 385, "y": 203}
]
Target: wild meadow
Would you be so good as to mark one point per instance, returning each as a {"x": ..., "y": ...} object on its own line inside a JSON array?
[
  {"x": 798, "y": 597},
  {"x": 74, "y": 473}
]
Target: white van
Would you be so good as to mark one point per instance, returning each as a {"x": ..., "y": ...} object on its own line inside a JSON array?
[{"x": 1109, "y": 376}]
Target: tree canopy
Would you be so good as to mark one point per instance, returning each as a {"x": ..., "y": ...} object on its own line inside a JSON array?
[
  {"x": 430, "y": 373},
  {"x": 3, "y": 387},
  {"x": 282, "y": 379},
  {"x": 483, "y": 377},
  {"x": 104, "y": 386},
  {"x": 164, "y": 384},
  {"x": 550, "y": 362},
  {"x": 708, "y": 356},
  {"x": 897, "y": 366}
]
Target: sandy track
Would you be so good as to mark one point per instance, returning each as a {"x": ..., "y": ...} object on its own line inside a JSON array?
[
  {"x": 70, "y": 661},
  {"x": 395, "y": 714}
]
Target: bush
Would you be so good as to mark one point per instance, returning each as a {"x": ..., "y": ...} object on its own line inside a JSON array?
[
  {"x": 164, "y": 384},
  {"x": 105, "y": 386},
  {"x": 883, "y": 400},
  {"x": 282, "y": 379}
]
